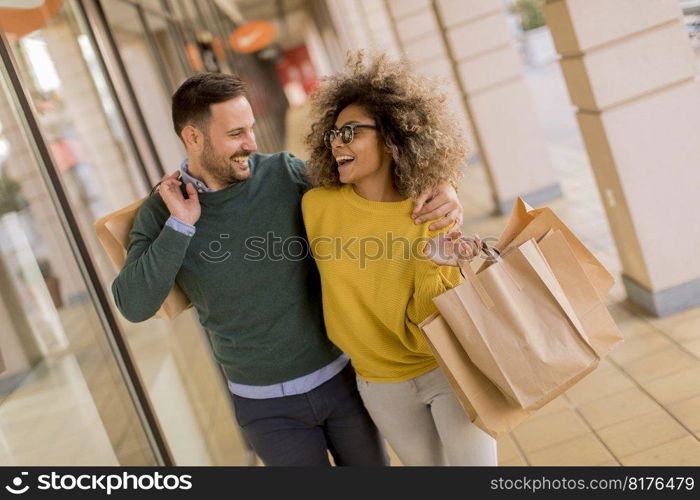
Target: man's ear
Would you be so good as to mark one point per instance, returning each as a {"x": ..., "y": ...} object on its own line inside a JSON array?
[{"x": 193, "y": 138}]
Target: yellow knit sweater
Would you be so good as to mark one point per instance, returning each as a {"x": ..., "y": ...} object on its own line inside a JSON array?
[{"x": 377, "y": 285}]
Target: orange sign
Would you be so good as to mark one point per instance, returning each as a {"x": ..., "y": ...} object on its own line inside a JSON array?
[
  {"x": 17, "y": 22},
  {"x": 252, "y": 36},
  {"x": 194, "y": 56},
  {"x": 217, "y": 45}
]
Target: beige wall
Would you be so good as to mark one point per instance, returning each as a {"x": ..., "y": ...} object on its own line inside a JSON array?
[{"x": 630, "y": 71}]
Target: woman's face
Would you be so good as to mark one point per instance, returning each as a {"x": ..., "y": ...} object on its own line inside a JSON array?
[{"x": 366, "y": 156}]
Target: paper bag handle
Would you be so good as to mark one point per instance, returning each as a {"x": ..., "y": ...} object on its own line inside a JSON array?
[
  {"x": 467, "y": 271},
  {"x": 469, "y": 274}
]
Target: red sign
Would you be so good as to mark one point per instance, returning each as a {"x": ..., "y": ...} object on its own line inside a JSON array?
[
  {"x": 297, "y": 74},
  {"x": 252, "y": 36}
]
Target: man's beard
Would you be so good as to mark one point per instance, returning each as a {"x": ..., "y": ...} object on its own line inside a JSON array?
[{"x": 220, "y": 167}]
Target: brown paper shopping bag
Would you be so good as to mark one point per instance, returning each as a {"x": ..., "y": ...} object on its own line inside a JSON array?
[
  {"x": 598, "y": 324},
  {"x": 113, "y": 232},
  {"x": 526, "y": 222},
  {"x": 483, "y": 402},
  {"x": 516, "y": 324}
]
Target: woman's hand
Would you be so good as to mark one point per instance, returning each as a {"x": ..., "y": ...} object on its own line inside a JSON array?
[
  {"x": 440, "y": 203},
  {"x": 449, "y": 249}
]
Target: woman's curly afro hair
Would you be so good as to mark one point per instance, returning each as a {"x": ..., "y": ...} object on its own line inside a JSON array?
[{"x": 422, "y": 135}]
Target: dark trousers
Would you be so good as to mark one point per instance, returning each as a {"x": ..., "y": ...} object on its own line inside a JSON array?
[{"x": 302, "y": 429}]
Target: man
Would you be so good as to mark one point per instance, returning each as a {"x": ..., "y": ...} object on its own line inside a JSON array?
[{"x": 294, "y": 392}]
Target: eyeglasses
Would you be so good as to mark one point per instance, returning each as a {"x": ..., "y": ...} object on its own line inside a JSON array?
[{"x": 346, "y": 133}]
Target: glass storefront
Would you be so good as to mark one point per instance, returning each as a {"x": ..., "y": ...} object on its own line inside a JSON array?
[
  {"x": 63, "y": 400},
  {"x": 67, "y": 394}
]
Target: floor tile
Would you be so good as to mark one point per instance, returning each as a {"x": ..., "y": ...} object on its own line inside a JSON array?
[
  {"x": 693, "y": 346},
  {"x": 640, "y": 433},
  {"x": 630, "y": 324},
  {"x": 641, "y": 345},
  {"x": 688, "y": 412},
  {"x": 618, "y": 407},
  {"x": 583, "y": 450},
  {"x": 676, "y": 387},
  {"x": 605, "y": 380},
  {"x": 683, "y": 451},
  {"x": 507, "y": 449},
  {"x": 682, "y": 326},
  {"x": 544, "y": 431},
  {"x": 513, "y": 462},
  {"x": 553, "y": 406},
  {"x": 659, "y": 364}
]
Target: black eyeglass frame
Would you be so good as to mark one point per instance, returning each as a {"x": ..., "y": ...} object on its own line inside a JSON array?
[{"x": 346, "y": 133}]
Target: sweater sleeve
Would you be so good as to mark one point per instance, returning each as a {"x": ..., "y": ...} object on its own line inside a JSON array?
[
  {"x": 154, "y": 257},
  {"x": 430, "y": 280},
  {"x": 296, "y": 167}
]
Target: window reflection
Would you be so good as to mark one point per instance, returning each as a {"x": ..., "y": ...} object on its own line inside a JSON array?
[
  {"x": 90, "y": 149},
  {"x": 62, "y": 398}
]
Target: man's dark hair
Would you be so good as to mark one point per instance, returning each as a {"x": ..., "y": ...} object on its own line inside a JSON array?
[{"x": 190, "y": 102}]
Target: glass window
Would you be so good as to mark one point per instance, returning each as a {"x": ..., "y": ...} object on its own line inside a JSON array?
[
  {"x": 96, "y": 161},
  {"x": 63, "y": 400},
  {"x": 150, "y": 59}
]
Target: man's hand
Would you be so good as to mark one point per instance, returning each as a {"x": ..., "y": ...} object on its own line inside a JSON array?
[
  {"x": 439, "y": 203},
  {"x": 187, "y": 210}
]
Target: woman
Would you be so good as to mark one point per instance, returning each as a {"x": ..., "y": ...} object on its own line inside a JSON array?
[{"x": 382, "y": 136}]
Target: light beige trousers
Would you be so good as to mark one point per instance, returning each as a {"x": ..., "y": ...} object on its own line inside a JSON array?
[{"x": 424, "y": 423}]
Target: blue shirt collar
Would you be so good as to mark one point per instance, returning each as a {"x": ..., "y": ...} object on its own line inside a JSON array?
[{"x": 188, "y": 179}]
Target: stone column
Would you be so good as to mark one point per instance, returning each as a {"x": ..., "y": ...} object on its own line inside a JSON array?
[
  {"x": 469, "y": 43},
  {"x": 630, "y": 71}
]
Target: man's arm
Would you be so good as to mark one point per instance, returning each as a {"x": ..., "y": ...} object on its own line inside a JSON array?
[
  {"x": 296, "y": 167},
  {"x": 155, "y": 253},
  {"x": 440, "y": 203},
  {"x": 149, "y": 272}
]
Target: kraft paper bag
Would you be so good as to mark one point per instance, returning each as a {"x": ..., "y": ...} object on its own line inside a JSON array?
[
  {"x": 598, "y": 324},
  {"x": 526, "y": 223},
  {"x": 518, "y": 327},
  {"x": 113, "y": 232},
  {"x": 483, "y": 402}
]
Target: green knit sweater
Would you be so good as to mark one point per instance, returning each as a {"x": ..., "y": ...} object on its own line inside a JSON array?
[{"x": 247, "y": 271}]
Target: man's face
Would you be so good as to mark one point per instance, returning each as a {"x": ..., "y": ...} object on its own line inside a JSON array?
[{"x": 229, "y": 141}]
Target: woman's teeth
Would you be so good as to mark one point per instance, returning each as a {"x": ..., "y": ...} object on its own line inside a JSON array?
[{"x": 342, "y": 160}]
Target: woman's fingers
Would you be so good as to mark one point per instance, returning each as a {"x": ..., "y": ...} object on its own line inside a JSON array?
[
  {"x": 468, "y": 248},
  {"x": 465, "y": 250},
  {"x": 454, "y": 235}
]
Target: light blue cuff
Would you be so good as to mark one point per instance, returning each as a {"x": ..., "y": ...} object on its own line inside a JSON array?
[{"x": 179, "y": 226}]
